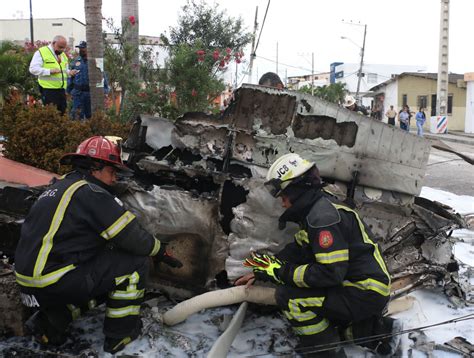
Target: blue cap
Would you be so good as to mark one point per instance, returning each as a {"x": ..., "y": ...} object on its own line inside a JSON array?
[{"x": 82, "y": 44}]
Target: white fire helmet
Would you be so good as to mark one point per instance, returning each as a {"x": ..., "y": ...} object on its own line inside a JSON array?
[{"x": 284, "y": 170}]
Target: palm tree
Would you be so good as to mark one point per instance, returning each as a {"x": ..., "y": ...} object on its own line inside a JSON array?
[
  {"x": 130, "y": 26},
  {"x": 95, "y": 52}
]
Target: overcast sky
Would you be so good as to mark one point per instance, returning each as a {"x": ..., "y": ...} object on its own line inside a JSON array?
[{"x": 404, "y": 32}]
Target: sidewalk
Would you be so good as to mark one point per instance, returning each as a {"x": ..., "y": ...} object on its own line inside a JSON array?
[{"x": 452, "y": 136}]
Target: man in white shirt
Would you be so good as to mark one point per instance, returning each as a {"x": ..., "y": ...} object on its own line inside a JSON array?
[{"x": 50, "y": 64}]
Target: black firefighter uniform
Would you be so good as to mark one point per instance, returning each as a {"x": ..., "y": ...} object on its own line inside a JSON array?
[
  {"x": 78, "y": 244},
  {"x": 334, "y": 273}
]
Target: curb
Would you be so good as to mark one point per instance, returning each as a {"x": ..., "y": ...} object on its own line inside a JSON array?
[{"x": 450, "y": 139}]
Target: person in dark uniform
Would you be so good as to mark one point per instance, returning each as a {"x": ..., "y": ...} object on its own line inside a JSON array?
[
  {"x": 271, "y": 79},
  {"x": 78, "y": 85},
  {"x": 332, "y": 278},
  {"x": 351, "y": 104},
  {"x": 79, "y": 246}
]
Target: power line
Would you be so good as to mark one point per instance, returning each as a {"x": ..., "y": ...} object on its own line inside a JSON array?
[
  {"x": 378, "y": 337},
  {"x": 292, "y": 66},
  {"x": 261, "y": 30}
]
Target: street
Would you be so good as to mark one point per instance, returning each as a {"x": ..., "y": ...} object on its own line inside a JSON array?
[{"x": 446, "y": 171}]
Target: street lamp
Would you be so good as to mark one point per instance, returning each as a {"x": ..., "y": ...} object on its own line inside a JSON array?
[{"x": 362, "y": 50}]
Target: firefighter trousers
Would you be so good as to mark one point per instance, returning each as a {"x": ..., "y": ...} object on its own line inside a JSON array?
[
  {"x": 113, "y": 276},
  {"x": 318, "y": 315}
]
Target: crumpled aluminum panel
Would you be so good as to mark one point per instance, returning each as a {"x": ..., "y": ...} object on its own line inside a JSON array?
[{"x": 238, "y": 147}]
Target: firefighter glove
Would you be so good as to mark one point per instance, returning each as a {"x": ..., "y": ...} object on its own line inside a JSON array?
[
  {"x": 167, "y": 258},
  {"x": 265, "y": 267}
]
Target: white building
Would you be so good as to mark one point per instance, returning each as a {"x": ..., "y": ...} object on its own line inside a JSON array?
[
  {"x": 18, "y": 30},
  {"x": 318, "y": 80},
  {"x": 372, "y": 75}
]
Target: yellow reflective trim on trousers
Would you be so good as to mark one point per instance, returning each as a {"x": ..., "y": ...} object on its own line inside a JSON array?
[
  {"x": 370, "y": 284},
  {"x": 377, "y": 255},
  {"x": 92, "y": 304},
  {"x": 127, "y": 295},
  {"x": 75, "y": 311},
  {"x": 54, "y": 227},
  {"x": 312, "y": 329},
  {"x": 122, "y": 312},
  {"x": 298, "y": 276},
  {"x": 332, "y": 257},
  {"x": 45, "y": 280},
  {"x": 301, "y": 237},
  {"x": 133, "y": 278},
  {"x": 295, "y": 310},
  {"x": 114, "y": 229},
  {"x": 156, "y": 247}
]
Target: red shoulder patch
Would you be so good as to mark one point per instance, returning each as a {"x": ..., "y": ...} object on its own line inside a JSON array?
[{"x": 325, "y": 239}]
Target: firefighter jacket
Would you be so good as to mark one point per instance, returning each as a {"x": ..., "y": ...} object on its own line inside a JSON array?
[
  {"x": 70, "y": 223},
  {"x": 333, "y": 248}
]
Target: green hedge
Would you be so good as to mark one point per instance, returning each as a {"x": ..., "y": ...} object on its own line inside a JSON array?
[{"x": 39, "y": 136}]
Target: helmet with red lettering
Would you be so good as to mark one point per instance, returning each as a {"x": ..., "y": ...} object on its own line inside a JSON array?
[
  {"x": 285, "y": 171},
  {"x": 98, "y": 150}
]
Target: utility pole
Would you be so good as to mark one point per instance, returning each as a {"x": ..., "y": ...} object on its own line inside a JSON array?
[
  {"x": 252, "y": 52},
  {"x": 277, "y": 60},
  {"x": 32, "y": 39},
  {"x": 442, "y": 85},
  {"x": 359, "y": 74},
  {"x": 312, "y": 73}
]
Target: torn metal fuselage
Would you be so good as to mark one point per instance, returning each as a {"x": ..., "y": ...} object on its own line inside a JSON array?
[{"x": 199, "y": 181}]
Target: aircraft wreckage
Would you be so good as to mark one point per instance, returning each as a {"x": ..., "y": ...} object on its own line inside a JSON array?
[{"x": 199, "y": 182}]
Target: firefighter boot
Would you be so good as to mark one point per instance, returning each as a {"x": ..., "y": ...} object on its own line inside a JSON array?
[
  {"x": 113, "y": 345},
  {"x": 318, "y": 345},
  {"x": 387, "y": 347},
  {"x": 49, "y": 325}
]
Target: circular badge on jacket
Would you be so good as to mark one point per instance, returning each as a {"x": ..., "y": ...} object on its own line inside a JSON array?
[{"x": 325, "y": 239}]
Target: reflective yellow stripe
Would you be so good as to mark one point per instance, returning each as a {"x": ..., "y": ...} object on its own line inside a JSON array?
[
  {"x": 114, "y": 229},
  {"x": 312, "y": 329},
  {"x": 301, "y": 237},
  {"x": 332, "y": 257},
  {"x": 298, "y": 276},
  {"x": 91, "y": 304},
  {"x": 54, "y": 227},
  {"x": 127, "y": 295},
  {"x": 122, "y": 312},
  {"x": 377, "y": 255},
  {"x": 75, "y": 311},
  {"x": 295, "y": 310},
  {"x": 51, "y": 78},
  {"x": 156, "y": 247},
  {"x": 131, "y": 291},
  {"x": 45, "y": 280},
  {"x": 370, "y": 284}
]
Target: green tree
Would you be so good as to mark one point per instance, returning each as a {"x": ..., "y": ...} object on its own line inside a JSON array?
[
  {"x": 335, "y": 92},
  {"x": 212, "y": 28},
  {"x": 14, "y": 63},
  {"x": 150, "y": 93},
  {"x": 201, "y": 47}
]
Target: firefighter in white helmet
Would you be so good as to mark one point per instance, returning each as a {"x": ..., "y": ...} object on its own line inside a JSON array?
[{"x": 332, "y": 277}]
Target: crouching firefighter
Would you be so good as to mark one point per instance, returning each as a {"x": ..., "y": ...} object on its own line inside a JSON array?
[
  {"x": 332, "y": 282},
  {"x": 79, "y": 244}
]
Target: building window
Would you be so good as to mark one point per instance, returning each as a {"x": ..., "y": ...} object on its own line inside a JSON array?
[
  {"x": 57, "y": 24},
  {"x": 422, "y": 101},
  {"x": 372, "y": 78},
  {"x": 404, "y": 100},
  {"x": 450, "y": 105},
  {"x": 433, "y": 105}
]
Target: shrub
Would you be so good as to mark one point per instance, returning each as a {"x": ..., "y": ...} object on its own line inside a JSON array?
[{"x": 39, "y": 136}]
